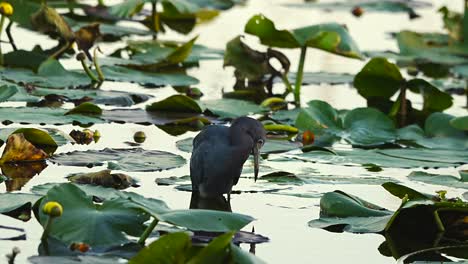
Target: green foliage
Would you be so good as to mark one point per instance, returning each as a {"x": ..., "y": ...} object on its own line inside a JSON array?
[
  {"x": 331, "y": 37},
  {"x": 361, "y": 126},
  {"x": 177, "y": 248},
  {"x": 7, "y": 92},
  {"x": 420, "y": 211},
  {"x": 176, "y": 103},
  {"x": 379, "y": 80}
]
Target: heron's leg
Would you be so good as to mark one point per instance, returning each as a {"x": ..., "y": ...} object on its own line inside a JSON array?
[{"x": 229, "y": 197}]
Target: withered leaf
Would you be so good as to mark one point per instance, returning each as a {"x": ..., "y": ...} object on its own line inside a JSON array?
[
  {"x": 86, "y": 37},
  {"x": 48, "y": 21},
  {"x": 18, "y": 149},
  {"x": 104, "y": 178}
]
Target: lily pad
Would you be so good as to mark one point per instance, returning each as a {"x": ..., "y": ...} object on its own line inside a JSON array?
[
  {"x": 138, "y": 116},
  {"x": 378, "y": 78},
  {"x": 368, "y": 6},
  {"x": 206, "y": 220},
  {"x": 418, "y": 214},
  {"x": 13, "y": 201},
  {"x": 7, "y": 92},
  {"x": 43, "y": 115},
  {"x": 271, "y": 146},
  {"x": 431, "y": 47},
  {"x": 178, "y": 248},
  {"x": 437, "y": 179},
  {"x": 176, "y": 103},
  {"x": 116, "y": 98},
  {"x": 389, "y": 158},
  {"x": 132, "y": 159},
  {"x": 50, "y": 73},
  {"x": 231, "y": 108},
  {"x": 19, "y": 150},
  {"x": 460, "y": 123},
  {"x": 330, "y": 37},
  {"x": 156, "y": 51},
  {"x": 360, "y": 126},
  {"x": 102, "y": 193},
  {"x": 351, "y": 214},
  {"x": 81, "y": 218},
  {"x": 86, "y": 108},
  {"x": 437, "y": 133},
  {"x": 38, "y": 137},
  {"x": 122, "y": 74},
  {"x": 323, "y": 77}
]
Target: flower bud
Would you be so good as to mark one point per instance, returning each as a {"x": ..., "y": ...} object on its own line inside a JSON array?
[
  {"x": 6, "y": 9},
  {"x": 81, "y": 56},
  {"x": 139, "y": 137},
  {"x": 53, "y": 209}
]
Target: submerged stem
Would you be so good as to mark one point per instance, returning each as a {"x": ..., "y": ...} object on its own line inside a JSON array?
[
  {"x": 153, "y": 19},
  {"x": 62, "y": 49},
  {"x": 299, "y": 76},
  {"x": 148, "y": 231}
]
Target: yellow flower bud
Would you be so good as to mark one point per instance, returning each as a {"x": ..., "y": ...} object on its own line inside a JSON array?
[
  {"x": 52, "y": 209},
  {"x": 6, "y": 9}
]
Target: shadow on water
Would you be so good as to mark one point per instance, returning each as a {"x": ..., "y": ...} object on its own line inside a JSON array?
[
  {"x": 218, "y": 203},
  {"x": 19, "y": 174}
]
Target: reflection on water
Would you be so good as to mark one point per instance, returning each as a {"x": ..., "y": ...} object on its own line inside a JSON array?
[
  {"x": 399, "y": 243},
  {"x": 218, "y": 203},
  {"x": 19, "y": 174}
]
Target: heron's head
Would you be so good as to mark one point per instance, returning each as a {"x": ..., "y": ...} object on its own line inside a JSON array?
[{"x": 252, "y": 133}]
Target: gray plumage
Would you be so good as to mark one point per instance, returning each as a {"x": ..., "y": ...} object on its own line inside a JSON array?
[{"x": 219, "y": 152}]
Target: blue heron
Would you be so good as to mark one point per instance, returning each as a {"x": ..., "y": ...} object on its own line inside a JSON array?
[{"x": 219, "y": 152}]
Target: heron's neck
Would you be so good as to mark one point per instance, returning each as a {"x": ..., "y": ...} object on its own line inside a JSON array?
[{"x": 239, "y": 138}]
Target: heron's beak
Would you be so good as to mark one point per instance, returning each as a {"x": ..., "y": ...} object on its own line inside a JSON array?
[{"x": 256, "y": 153}]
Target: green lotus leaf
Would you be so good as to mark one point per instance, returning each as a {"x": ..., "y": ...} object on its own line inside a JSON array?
[
  {"x": 82, "y": 217},
  {"x": 360, "y": 126},
  {"x": 331, "y": 37}
]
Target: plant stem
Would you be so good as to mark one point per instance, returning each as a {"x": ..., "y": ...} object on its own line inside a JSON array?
[
  {"x": 45, "y": 234},
  {"x": 70, "y": 6},
  {"x": 96, "y": 65},
  {"x": 101, "y": 3},
  {"x": 10, "y": 37},
  {"x": 402, "y": 114},
  {"x": 300, "y": 73},
  {"x": 286, "y": 82},
  {"x": 89, "y": 72},
  {"x": 147, "y": 231},
  {"x": 2, "y": 21}
]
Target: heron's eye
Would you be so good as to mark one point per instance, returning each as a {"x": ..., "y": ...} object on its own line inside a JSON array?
[{"x": 261, "y": 142}]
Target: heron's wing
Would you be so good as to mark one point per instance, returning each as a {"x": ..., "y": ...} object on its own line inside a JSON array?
[
  {"x": 197, "y": 167},
  {"x": 213, "y": 134}
]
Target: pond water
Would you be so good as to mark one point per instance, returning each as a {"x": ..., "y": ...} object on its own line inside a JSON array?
[{"x": 282, "y": 218}]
